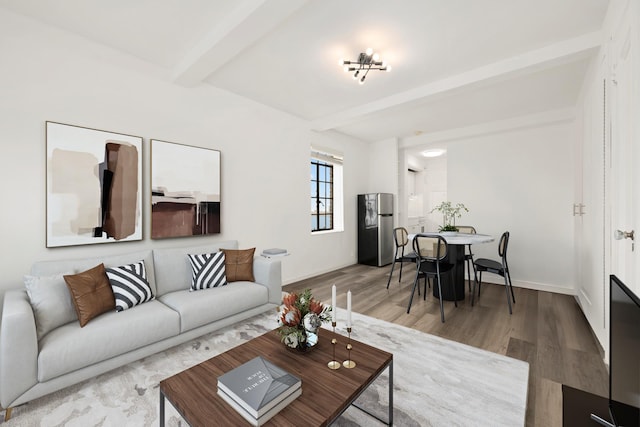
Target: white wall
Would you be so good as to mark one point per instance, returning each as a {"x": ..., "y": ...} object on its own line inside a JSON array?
[
  {"x": 520, "y": 181},
  {"x": 436, "y": 192},
  {"x": 384, "y": 172},
  {"x": 383, "y": 166},
  {"x": 48, "y": 74}
]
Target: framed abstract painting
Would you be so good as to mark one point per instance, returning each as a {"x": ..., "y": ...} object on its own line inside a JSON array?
[
  {"x": 185, "y": 190},
  {"x": 94, "y": 186}
]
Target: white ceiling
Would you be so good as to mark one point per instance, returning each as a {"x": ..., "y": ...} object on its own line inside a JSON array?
[{"x": 455, "y": 63}]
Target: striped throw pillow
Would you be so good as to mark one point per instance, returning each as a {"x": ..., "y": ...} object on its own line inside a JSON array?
[
  {"x": 207, "y": 271},
  {"x": 130, "y": 285}
]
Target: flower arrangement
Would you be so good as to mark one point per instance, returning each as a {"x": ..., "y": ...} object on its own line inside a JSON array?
[
  {"x": 299, "y": 318},
  {"x": 449, "y": 215}
]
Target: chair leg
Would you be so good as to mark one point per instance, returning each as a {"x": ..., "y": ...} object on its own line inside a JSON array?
[
  {"x": 511, "y": 287},
  {"x": 468, "y": 274},
  {"x": 426, "y": 282},
  {"x": 475, "y": 283},
  {"x": 453, "y": 287},
  {"x": 506, "y": 287},
  {"x": 413, "y": 291},
  {"x": 391, "y": 274},
  {"x": 424, "y": 295},
  {"x": 7, "y": 414},
  {"x": 441, "y": 303},
  {"x": 400, "y": 275},
  {"x": 479, "y": 285}
]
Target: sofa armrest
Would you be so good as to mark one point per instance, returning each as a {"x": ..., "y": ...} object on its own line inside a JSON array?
[
  {"x": 18, "y": 347},
  {"x": 268, "y": 272}
]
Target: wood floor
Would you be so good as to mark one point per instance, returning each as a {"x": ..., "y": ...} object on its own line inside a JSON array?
[{"x": 546, "y": 330}]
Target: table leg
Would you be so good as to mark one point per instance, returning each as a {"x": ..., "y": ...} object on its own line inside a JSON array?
[
  {"x": 391, "y": 393},
  {"x": 389, "y": 420},
  {"x": 456, "y": 257},
  {"x": 161, "y": 409}
]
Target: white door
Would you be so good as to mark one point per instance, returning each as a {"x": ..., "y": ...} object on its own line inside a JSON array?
[
  {"x": 590, "y": 212},
  {"x": 624, "y": 153}
]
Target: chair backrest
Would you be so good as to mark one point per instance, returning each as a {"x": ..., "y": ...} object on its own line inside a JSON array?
[
  {"x": 400, "y": 235},
  {"x": 466, "y": 229},
  {"x": 502, "y": 247},
  {"x": 431, "y": 247}
]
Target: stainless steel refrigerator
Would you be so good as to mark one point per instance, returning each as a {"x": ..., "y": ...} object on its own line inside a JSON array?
[{"x": 375, "y": 229}]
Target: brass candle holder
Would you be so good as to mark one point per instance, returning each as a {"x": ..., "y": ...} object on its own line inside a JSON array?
[
  {"x": 349, "y": 364},
  {"x": 334, "y": 364}
]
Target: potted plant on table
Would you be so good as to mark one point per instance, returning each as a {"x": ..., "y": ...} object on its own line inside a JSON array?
[
  {"x": 449, "y": 214},
  {"x": 299, "y": 318}
]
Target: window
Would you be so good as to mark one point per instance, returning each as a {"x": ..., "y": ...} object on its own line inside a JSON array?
[
  {"x": 327, "y": 205},
  {"x": 322, "y": 192}
]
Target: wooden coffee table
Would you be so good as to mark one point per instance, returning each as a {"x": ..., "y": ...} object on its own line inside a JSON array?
[{"x": 326, "y": 393}]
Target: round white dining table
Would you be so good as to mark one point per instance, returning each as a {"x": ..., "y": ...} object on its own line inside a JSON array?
[
  {"x": 461, "y": 238},
  {"x": 457, "y": 242}
]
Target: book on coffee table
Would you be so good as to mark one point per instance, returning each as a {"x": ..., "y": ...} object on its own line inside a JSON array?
[
  {"x": 266, "y": 415},
  {"x": 258, "y": 386}
]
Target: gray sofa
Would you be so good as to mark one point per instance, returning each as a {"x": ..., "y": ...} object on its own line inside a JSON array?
[{"x": 32, "y": 367}]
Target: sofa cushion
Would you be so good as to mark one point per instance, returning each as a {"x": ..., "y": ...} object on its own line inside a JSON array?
[
  {"x": 172, "y": 269},
  {"x": 207, "y": 270},
  {"x": 206, "y": 306},
  {"x": 51, "y": 302},
  {"x": 238, "y": 264},
  {"x": 91, "y": 293},
  {"x": 70, "y": 347},
  {"x": 129, "y": 284},
  {"x": 48, "y": 268}
]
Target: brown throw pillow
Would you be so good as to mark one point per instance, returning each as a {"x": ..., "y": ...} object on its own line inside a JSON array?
[
  {"x": 238, "y": 264},
  {"x": 91, "y": 293}
]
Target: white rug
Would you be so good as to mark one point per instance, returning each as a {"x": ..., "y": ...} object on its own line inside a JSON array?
[{"x": 437, "y": 382}]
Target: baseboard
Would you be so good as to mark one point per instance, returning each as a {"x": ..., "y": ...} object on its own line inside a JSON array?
[
  {"x": 532, "y": 285},
  {"x": 317, "y": 273},
  {"x": 485, "y": 279}
]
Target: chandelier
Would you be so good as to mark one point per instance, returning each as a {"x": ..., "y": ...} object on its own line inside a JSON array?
[{"x": 367, "y": 61}]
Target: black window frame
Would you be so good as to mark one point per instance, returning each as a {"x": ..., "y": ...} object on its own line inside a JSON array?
[{"x": 321, "y": 198}]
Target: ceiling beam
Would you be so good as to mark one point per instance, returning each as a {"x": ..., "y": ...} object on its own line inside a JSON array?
[
  {"x": 521, "y": 122},
  {"x": 248, "y": 22},
  {"x": 548, "y": 57}
]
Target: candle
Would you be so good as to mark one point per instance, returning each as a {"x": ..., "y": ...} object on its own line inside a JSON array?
[
  {"x": 333, "y": 304},
  {"x": 349, "y": 309}
]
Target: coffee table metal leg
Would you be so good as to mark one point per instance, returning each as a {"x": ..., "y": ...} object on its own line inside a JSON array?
[
  {"x": 389, "y": 420},
  {"x": 391, "y": 393},
  {"x": 161, "y": 409}
]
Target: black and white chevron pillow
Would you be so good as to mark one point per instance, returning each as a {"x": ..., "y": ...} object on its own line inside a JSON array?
[
  {"x": 130, "y": 285},
  {"x": 207, "y": 271}
]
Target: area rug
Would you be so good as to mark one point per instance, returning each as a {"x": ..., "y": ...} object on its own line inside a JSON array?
[{"x": 437, "y": 382}]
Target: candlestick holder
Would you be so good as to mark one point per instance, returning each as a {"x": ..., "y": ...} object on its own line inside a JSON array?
[
  {"x": 349, "y": 364},
  {"x": 334, "y": 364}
]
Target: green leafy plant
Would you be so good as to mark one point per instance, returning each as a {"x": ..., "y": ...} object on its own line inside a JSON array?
[{"x": 449, "y": 214}]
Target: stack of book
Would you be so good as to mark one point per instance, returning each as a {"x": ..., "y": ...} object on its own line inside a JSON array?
[
  {"x": 274, "y": 252},
  {"x": 258, "y": 389}
]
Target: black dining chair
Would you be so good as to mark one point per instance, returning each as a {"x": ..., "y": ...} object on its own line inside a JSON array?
[
  {"x": 431, "y": 263},
  {"x": 401, "y": 237},
  {"x": 468, "y": 256},
  {"x": 496, "y": 267}
]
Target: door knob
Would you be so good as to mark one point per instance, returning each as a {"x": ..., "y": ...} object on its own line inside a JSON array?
[{"x": 619, "y": 235}]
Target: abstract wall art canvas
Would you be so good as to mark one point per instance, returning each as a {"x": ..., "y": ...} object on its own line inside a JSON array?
[
  {"x": 94, "y": 182},
  {"x": 185, "y": 190}
]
